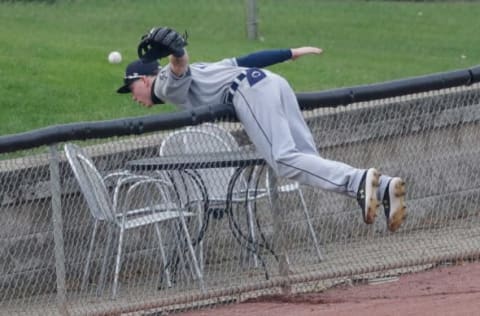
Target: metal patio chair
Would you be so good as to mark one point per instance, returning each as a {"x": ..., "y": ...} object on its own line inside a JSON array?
[
  {"x": 215, "y": 180},
  {"x": 113, "y": 210}
]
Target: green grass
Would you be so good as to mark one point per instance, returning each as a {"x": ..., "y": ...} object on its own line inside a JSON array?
[{"x": 53, "y": 66}]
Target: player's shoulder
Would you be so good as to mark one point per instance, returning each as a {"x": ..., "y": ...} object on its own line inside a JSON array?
[
  {"x": 200, "y": 65},
  {"x": 221, "y": 63},
  {"x": 229, "y": 61}
]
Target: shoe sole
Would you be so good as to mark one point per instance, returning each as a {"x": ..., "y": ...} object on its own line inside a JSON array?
[
  {"x": 372, "y": 182},
  {"x": 400, "y": 210}
]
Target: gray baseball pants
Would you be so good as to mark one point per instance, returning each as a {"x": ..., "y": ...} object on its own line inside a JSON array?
[{"x": 268, "y": 108}]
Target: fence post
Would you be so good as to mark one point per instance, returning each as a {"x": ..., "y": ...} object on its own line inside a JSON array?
[
  {"x": 252, "y": 22},
  {"x": 57, "y": 223}
]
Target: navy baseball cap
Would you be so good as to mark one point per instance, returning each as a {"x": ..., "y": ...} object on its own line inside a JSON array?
[{"x": 136, "y": 70}]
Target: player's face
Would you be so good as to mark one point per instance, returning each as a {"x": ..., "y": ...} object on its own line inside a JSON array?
[{"x": 141, "y": 90}]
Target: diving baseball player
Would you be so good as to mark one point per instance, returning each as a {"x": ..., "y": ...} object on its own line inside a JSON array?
[{"x": 267, "y": 106}]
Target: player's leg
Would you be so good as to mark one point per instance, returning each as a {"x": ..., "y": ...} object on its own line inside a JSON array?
[
  {"x": 267, "y": 126},
  {"x": 299, "y": 129},
  {"x": 305, "y": 143},
  {"x": 260, "y": 108},
  {"x": 391, "y": 191}
]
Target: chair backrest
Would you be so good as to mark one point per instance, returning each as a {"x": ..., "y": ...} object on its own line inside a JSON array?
[
  {"x": 219, "y": 131},
  {"x": 194, "y": 140},
  {"x": 246, "y": 178},
  {"x": 91, "y": 183}
]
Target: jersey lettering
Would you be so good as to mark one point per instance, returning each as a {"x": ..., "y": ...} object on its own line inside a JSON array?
[
  {"x": 162, "y": 75},
  {"x": 254, "y": 75}
]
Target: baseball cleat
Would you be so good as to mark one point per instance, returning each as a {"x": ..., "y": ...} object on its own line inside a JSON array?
[
  {"x": 394, "y": 204},
  {"x": 367, "y": 195}
]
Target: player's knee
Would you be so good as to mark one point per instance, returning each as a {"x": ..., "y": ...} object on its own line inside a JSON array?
[{"x": 286, "y": 170}]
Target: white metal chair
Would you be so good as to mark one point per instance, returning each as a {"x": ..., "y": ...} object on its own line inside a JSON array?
[
  {"x": 285, "y": 187},
  {"x": 113, "y": 210},
  {"x": 215, "y": 180}
]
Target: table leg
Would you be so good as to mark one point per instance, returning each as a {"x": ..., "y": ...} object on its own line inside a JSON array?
[{"x": 247, "y": 241}]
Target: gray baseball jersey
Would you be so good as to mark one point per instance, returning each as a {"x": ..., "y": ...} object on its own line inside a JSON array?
[
  {"x": 268, "y": 108},
  {"x": 203, "y": 83}
]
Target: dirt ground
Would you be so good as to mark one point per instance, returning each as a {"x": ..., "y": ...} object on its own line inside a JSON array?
[{"x": 452, "y": 290}]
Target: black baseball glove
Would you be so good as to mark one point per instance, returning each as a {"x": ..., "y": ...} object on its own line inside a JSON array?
[{"x": 161, "y": 42}]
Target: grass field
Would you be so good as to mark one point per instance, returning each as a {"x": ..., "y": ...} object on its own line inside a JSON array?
[{"x": 53, "y": 57}]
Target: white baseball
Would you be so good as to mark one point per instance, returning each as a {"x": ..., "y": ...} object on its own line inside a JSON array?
[{"x": 114, "y": 57}]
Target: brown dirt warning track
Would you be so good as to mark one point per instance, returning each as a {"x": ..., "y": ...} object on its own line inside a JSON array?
[{"x": 450, "y": 290}]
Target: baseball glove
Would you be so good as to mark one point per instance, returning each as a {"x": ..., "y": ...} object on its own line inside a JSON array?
[{"x": 161, "y": 42}]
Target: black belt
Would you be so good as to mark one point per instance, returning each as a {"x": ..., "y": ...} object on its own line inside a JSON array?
[{"x": 234, "y": 86}]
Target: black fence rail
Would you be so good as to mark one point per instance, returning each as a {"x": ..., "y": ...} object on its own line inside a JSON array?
[{"x": 307, "y": 101}]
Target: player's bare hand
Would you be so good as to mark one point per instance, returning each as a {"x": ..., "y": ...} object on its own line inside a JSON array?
[{"x": 306, "y": 50}]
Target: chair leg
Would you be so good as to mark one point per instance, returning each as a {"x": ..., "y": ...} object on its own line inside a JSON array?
[
  {"x": 196, "y": 267},
  {"x": 251, "y": 228},
  {"x": 200, "y": 244},
  {"x": 177, "y": 259},
  {"x": 188, "y": 262},
  {"x": 89, "y": 257},
  {"x": 310, "y": 227},
  {"x": 164, "y": 257},
  {"x": 182, "y": 261},
  {"x": 101, "y": 281},
  {"x": 117, "y": 263}
]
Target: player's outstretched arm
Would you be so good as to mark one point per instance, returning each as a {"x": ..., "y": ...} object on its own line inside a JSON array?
[
  {"x": 305, "y": 50},
  {"x": 270, "y": 57}
]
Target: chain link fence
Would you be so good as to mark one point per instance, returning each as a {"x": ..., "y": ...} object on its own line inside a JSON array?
[{"x": 228, "y": 229}]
